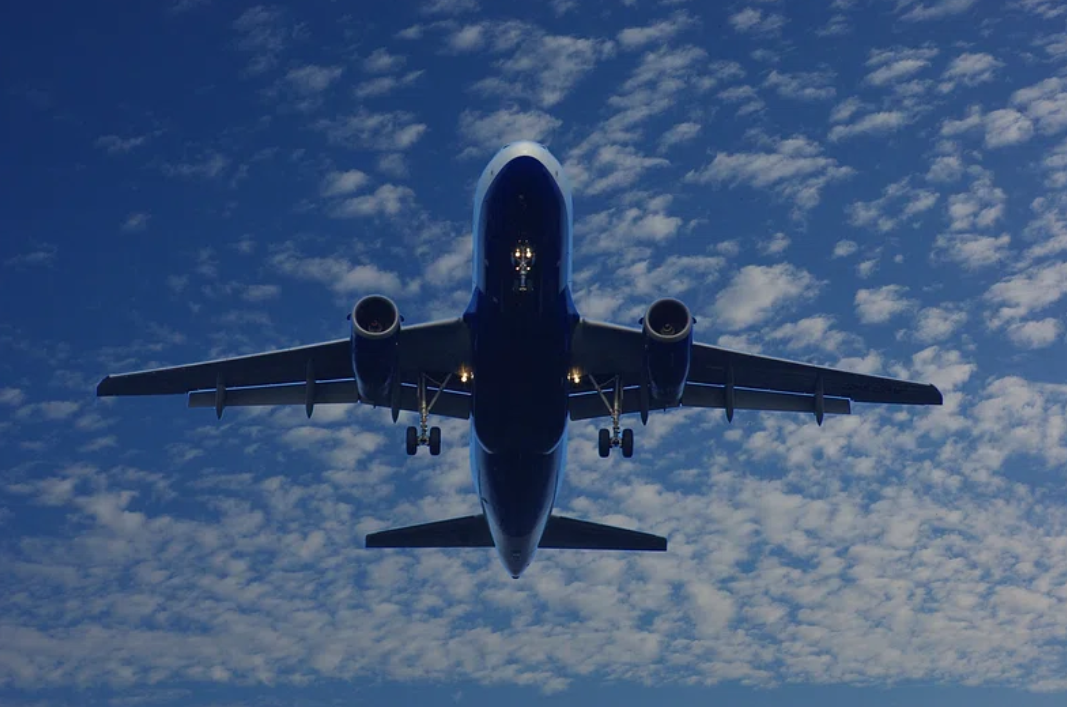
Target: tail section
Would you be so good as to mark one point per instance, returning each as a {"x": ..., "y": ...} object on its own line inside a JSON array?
[{"x": 560, "y": 533}]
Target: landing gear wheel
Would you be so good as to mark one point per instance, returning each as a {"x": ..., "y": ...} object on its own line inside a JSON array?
[
  {"x": 627, "y": 443},
  {"x": 435, "y": 441},
  {"x": 604, "y": 443},
  {"x": 412, "y": 441}
]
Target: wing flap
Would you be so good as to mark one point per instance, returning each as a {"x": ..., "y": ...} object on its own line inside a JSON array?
[
  {"x": 713, "y": 396},
  {"x": 469, "y": 531},
  {"x": 449, "y": 404},
  {"x": 562, "y": 533}
]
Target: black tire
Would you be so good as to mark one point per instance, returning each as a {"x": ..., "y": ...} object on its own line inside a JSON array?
[
  {"x": 604, "y": 443},
  {"x": 435, "y": 441},
  {"x": 627, "y": 443},
  {"x": 412, "y": 441}
]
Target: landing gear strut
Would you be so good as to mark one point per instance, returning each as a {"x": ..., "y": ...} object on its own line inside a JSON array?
[
  {"x": 608, "y": 439},
  {"x": 425, "y": 436}
]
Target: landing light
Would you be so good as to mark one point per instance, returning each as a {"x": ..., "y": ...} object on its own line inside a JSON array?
[
  {"x": 465, "y": 375},
  {"x": 576, "y": 377}
]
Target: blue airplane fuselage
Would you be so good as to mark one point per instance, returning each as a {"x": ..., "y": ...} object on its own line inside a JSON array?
[{"x": 521, "y": 330}]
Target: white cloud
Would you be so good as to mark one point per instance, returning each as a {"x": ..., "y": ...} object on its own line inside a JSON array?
[
  {"x": 311, "y": 79},
  {"x": 136, "y": 221},
  {"x": 945, "y": 168},
  {"x": 658, "y": 32},
  {"x": 679, "y": 133},
  {"x": 972, "y": 251},
  {"x": 871, "y": 124},
  {"x": 809, "y": 86},
  {"x": 382, "y": 85},
  {"x": 469, "y": 38},
  {"x": 452, "y": 265},
  {"x": 899, "y": 197},
  {"x": 979, "y": 208},
  {"x": 752, "y": 20},
  {"x": 1047, "y": 9},
  {"x": 380, "y": 61},
  {"x": 1035, "y": 334},
  {"x": 11, "y": 396},
  {"x": 342, "y": 276},
  {"x": 796, "y": 170},
  {"x": 846, "y": 109},
  {"x": 545, "y": 67},
  {"x": 339, "y": 183},
  {"x": 936, "y": 10},
  {"x": 674, "y": 277},
  {"x": 366, "y": 130},
  {"x": 878, "y": 306},
  {"x": 1007, "y": 127},
  {"x": 775, "y": 245},
  {"x": 260, "y": 293},
  {"x": 1032, "y": 290},
  {"x": 970, "y": 69},
  {"x": 896, "y": 70},
  {"x": 387, "y": 200},
  {"x": 210, "y": 167},
  {"x": 263, "y": 35},
  {"x": 449, "y": 7},
  {"x": 610, "y": 230},
  {"x": 1045, "y": 104},
  {"x": 844, "y": 248},
  {"x": 609, "y": 168},
  {"x": 757, "y": 292},
  {"x": 50, "y": 410},
  {"x": 816, "y": 332},
  {"x": 486, "y": 133},
  {"x": 935, "y": 324},
  {"x": 115, "y": 145}
]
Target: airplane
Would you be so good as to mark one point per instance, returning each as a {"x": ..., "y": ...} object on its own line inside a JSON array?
[{"x": 519, "y": 364}]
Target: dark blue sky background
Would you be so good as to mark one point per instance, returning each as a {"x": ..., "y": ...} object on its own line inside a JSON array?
[{"x": 877, "y": 185}]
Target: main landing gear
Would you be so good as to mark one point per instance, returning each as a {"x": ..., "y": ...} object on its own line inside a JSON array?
[
  {"x": 425, "y": 436},
  {"x": 608, "y": 439}
]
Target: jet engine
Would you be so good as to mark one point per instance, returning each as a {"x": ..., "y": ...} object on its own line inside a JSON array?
[
  {"x": 668, "y": 329},
  {"x": 375, "y": 336}
]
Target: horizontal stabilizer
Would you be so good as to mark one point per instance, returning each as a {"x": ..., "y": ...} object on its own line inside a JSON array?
[
  {"x": 469, "y": 531},
  {"x": 570, "y": 534}
]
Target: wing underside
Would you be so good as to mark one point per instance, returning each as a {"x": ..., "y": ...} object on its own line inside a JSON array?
[
  {"x": 312, "y": 375},
  {"x": 722, "y": 378}
]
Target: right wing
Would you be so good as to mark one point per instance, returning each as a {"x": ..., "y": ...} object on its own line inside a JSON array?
[
  {"x": 309, "y": 375},
  {"x": 723, "y": 378}
]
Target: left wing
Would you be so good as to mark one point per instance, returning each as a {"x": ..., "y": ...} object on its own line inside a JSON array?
[
  {"x": 317, "y": 373},
  {"x": 762, "y": 382}
]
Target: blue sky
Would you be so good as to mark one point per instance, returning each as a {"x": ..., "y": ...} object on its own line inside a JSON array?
[{"x": 879, "y": 185}]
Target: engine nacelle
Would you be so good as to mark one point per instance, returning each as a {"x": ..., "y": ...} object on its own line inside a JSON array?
[
  {"x": 668, "y": 329},
  {"x": 375, "y": 337}
]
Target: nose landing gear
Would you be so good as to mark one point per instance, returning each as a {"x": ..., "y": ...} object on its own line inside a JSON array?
[
  {"x": 523, "y": 259},
  {"x": 616, "y": 437}
]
